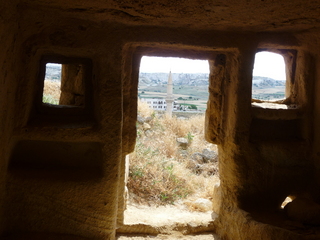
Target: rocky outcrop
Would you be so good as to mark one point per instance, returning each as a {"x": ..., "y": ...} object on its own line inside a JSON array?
[{"x": 205, "y": 157}]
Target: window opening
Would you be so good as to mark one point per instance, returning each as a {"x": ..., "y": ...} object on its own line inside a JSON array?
[
  {"x": 64, "y": 84},
  {"x": 52, "y": 84},
  {"x": 286, "y": 201},
  {"x": 269, "y": 77},
  {"x": 173, "y": 170}
]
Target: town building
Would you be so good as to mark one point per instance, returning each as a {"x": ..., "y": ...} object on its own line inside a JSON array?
[{"x": 160, "y": 104}]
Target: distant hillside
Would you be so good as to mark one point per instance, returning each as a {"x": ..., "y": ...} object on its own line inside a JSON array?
[
  {"x": 191, "y": 79},
  {"x": 53, "y": 72},
  {"x": 195, "y": 85},
  {"x": 265, "y": 82},
  {"x": 186, "y": 85},
  {"x": 265, "y": 88},
  {"x": 198, "y": 79}
]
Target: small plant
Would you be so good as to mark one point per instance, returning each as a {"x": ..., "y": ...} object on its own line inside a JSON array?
[
  {"x": 189, "y": 136},
  {"x": 139, "y": 133},
  {"x": 136, "y": 172},
  {"x": 163, "y": 197},
  {"x": 169, "y": 168},
  {"x": 50, "y": 99}
]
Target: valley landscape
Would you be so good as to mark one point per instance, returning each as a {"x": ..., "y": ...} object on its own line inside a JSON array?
[
  {"x": 188, "y": 88},
  {"x": 192, "y": 88}
]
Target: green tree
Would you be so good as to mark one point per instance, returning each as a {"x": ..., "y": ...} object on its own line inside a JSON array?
[{"x": 192, "y": 106}]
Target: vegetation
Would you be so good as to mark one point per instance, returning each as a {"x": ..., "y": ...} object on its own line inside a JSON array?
[
  {"x": 51, "y": 92},
  {"x": 269, "y": 96},
  {"x": 192, "y": 106},
  {"x": 161, "y": 172},
  {"x": 50, "y": 99}
]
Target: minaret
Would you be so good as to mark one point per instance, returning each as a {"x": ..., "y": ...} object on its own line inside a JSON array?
[{"x": 169, "y": 97}]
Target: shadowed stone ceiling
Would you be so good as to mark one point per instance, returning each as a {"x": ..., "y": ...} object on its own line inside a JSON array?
[{"x": 250, "y": 15}]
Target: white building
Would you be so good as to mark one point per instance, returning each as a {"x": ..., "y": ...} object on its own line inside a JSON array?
[{"x": 160, "y": 104}]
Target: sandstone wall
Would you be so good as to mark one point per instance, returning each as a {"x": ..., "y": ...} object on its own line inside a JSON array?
[
  {"x": 8, "y": 60},
  {"x": 265, "y": 154}
]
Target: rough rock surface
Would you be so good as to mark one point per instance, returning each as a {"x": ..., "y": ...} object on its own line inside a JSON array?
[
  {"x": 62, "y": 169},
  {"x": 231, "y": 15},
  {"x": 204, "y": 205},
  {"x": 183, "y": 143},
  {"x": 209, "y": 156},
  {"x": 205, "y": 157},
  {"x": 146, "y": 126},
  {"x": 140, "y": 119},
  {"x": 304, "y": 210}
]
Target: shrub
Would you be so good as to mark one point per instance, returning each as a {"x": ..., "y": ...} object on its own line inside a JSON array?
[
  {"x": 192, "y": 106},
  {"x": 159, "y": 172}
]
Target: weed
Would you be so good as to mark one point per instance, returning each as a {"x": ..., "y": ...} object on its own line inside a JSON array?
[
  {"x": 189, "y": 137},
  {"x": 163, "y": 197},
  {"x": 136, "y": 172}
]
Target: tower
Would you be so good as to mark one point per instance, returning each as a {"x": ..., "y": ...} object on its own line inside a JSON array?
[{"x": 169, "y": 97}]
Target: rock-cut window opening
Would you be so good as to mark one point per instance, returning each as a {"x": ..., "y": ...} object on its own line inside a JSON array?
[
  {"x": 269, "y": 77},
  {"x": 52, "y": 84},
  {"x": 64, "y": 84},
  {"x": 172, "y": 165}
]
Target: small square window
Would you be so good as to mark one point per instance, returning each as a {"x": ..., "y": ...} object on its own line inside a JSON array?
[
  {"x": 65, "y": 85},
  {"x": 269, "y": 77},
  {"x": 273, "y": 78}
]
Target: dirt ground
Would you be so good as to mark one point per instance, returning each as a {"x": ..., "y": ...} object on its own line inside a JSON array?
[{"x": 166, "y": 216}]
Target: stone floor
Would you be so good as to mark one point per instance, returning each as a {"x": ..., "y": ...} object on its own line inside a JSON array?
[{"x": 171, "y": 237}]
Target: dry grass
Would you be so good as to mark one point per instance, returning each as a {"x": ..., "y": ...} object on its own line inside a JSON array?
[
  {"x": 162, "y": 173},
  {"x": 51, "y": 92},
  {"x": 144, "y": 110}
]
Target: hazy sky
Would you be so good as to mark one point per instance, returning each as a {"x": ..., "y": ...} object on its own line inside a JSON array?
[
  {"x": 176, "y": 65},
  {"x": 269, "y": 65},
  {"x": 266, "y": 65}
]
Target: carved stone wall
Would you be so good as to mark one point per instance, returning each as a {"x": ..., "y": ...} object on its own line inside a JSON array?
[{"x": 62, "y": 169}]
